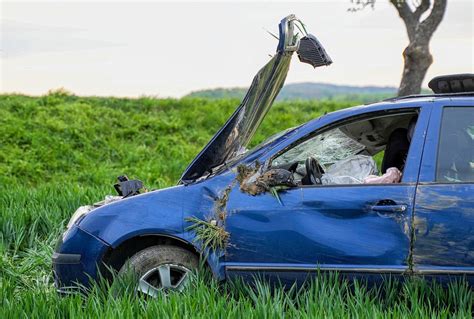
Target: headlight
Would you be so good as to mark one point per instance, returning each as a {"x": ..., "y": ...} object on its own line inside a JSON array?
[
  {"x": 84, "y": 210},
  {"x": 78, "y": 214}
]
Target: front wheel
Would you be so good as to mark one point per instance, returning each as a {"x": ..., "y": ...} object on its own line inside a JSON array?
[{"x": 160, "y": 268}]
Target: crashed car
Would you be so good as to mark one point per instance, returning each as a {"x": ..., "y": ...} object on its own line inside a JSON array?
[{"x": 308, "y": 200}]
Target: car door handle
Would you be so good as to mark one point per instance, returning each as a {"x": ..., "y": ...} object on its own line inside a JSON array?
[{"x": 389, "y": 208}]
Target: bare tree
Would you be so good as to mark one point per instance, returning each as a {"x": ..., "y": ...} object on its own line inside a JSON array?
[{"x": 417, "y": 56}]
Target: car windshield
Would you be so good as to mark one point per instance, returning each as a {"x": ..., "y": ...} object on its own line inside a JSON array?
[{"x": 328, "y": 147}]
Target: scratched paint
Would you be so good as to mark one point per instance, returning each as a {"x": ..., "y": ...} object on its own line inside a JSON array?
[
  {"x": 444, "y": 225},
  {"x": 315, "y": 226}
]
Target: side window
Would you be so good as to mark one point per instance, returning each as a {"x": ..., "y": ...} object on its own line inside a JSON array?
[
  {"x": 455, "y": 161},
  {"x": 367, "y": 151}
]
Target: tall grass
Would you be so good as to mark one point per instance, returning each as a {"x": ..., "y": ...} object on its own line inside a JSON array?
[
  {"x": 322, "y": 297},
  {"x": 60, "y": 151}
]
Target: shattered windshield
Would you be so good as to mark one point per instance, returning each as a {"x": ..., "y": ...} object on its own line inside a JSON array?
[{"x": 327, "y": 148}]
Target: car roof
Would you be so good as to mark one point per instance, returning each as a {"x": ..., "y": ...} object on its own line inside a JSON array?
[
  {"x": 431, "y": 97},
  {"x": 412, "y": 101}
]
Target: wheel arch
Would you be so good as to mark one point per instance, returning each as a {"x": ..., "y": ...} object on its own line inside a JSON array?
[{"x": 115, "y": 257}]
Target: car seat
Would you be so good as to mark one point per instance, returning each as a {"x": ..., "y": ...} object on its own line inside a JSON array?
[
  {"x": 396, "y": 150},
  {"x": 397, "y": 147}
]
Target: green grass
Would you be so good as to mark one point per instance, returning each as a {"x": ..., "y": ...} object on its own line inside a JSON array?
[
  {"x": 60, "y": 151},
  {"x": 64, "y": 138}
]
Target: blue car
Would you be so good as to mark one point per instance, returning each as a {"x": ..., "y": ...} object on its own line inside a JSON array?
[{"x": 368, "y": 191}]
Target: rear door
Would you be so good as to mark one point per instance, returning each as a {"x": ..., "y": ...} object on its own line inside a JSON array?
[{"x": 444, "y": 205}]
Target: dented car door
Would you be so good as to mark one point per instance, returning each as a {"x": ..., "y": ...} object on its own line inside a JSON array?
[{"x": 355, "y": 229}]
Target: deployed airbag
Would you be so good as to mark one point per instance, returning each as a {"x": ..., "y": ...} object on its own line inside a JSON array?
[{"x": 352, "y": 170}]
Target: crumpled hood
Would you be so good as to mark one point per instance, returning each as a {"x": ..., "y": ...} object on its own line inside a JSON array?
[{"x": 233, "y": 138}]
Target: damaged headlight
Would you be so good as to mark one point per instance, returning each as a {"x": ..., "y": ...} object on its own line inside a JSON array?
[
  {"x": 125, "y": 188},
  {"x": 79, "y": 214},
  {"x": 82, "y": 211}
]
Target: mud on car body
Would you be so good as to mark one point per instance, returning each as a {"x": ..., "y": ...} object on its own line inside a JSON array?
[{"x": 306, "y": 200}]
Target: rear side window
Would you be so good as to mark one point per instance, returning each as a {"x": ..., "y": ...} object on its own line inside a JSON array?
[{"x": 456, "y": 146}]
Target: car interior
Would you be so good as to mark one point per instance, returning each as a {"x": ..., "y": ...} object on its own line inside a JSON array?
[{"x": 370, "y": 151}]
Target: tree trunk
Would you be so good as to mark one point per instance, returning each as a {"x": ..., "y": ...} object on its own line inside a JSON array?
[
  {"x": 417, "y": 60},
  {"x": 417, "y": 56}
]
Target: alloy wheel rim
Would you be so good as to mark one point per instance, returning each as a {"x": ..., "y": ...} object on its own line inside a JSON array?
[{"x": 163, "y": 278}]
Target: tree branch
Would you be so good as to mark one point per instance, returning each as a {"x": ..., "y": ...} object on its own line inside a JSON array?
[
  {"x": 422, "y": 8},
  {"x": 429, "y": 25},
  {"x": 407, "y": 16},
  {"x": 359, "y": 5},
  {"x": 403, "y": 9}
]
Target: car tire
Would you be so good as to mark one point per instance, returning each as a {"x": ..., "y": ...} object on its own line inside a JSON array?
[{"x": 160, "y": 268}]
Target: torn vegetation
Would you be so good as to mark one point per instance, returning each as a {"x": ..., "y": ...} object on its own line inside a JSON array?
[
  {"x": 211, "y": 232},
  {"x": 254, "y": 182}
]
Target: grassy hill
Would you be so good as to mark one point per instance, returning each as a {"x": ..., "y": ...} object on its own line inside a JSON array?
[
  {"x": 65, "y": 138},
  {"x": 60, "y": 151}
]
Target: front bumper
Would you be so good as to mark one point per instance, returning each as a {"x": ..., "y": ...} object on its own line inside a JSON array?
[{"x": 77, "y": 260}]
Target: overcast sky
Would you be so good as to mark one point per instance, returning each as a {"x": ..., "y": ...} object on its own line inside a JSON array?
[{"x": 172, "y": 48}]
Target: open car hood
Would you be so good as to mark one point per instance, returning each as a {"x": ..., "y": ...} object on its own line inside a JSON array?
[{"x": 233, "y": 138}]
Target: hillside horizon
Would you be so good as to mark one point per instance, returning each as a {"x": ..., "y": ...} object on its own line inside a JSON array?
[{"x": 306, "y": 91}]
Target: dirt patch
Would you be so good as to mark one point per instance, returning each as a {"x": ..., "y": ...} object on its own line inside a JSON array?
[{"x": 220, "y": 207}]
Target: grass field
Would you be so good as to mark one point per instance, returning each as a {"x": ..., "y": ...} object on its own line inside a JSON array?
[{"x": 60, "y": 151}]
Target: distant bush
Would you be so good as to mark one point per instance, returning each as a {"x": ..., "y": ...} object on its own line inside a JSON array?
[{"x": 309, "y": 91}]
